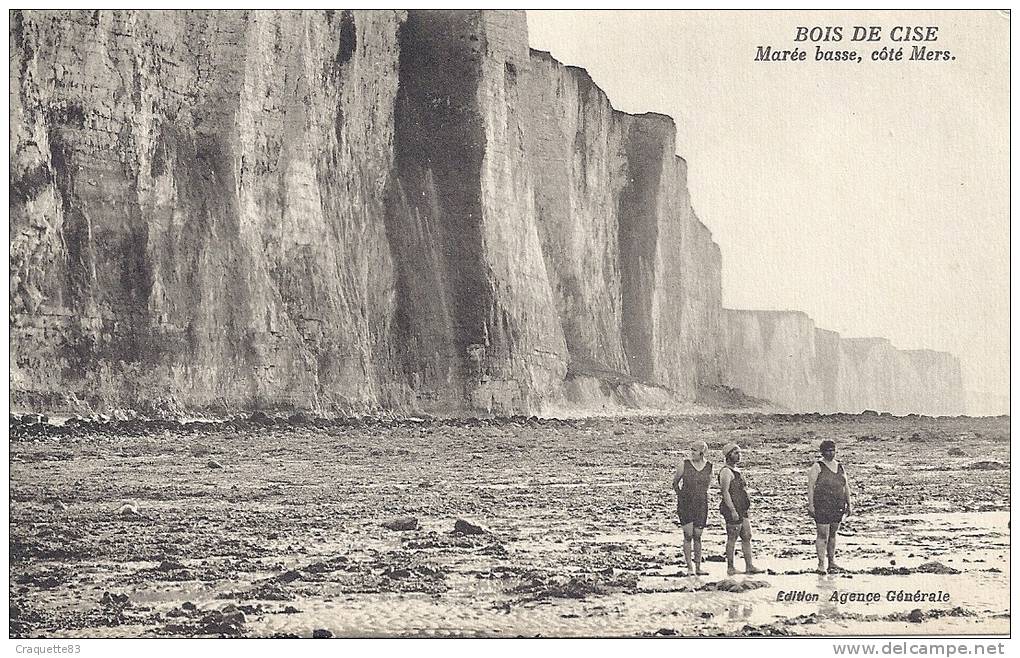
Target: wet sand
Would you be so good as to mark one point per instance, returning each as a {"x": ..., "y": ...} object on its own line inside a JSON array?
[{"x": 262, "y": 531}]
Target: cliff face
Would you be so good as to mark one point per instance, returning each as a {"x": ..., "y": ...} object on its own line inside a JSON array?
[
  {"x": 347, "y": 210},
  {"x": 773, "y": 352},
  {"x": 579, "y": 167},
  {"x": 781, "y": 356},
  {"x": 635, "y": 275},
  {"x": 688, "y": 292},
  {"x": 878, "y": 376},
  {"x": 939, "y": 388},
  {"x": 196, "y": 205},
  {"x": 239, "y": 209},
  {"x": 476, "y": 310},
  {"x": 829, "y": 363}
]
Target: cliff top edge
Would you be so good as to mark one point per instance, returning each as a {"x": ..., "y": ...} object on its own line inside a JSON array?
[
  {"x": 855, "y": 340},
  {"x": 581, "y": 72}
]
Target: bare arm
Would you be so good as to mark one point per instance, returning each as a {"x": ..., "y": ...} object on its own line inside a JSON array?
[
  {"x": 725, "y": 477},
  {"x": 677, "y": 477},
  {"x": 846, "y": 491},
  {"x": 812, "y": 475}
]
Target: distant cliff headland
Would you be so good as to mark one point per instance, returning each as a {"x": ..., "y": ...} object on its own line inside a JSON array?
[{"x": 350, "y": 211}]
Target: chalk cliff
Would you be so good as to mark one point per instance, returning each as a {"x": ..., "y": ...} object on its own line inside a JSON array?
[
  {"x": 196, "y": 207},
  {"x": 773, "y": 355},
  {"x": 635, "y": 275},
  {"x": 475, "y": 311},
  {"x": 875, "y": 375},
  {"x": 356, "y": 210},
  {"x": 783, "y": 357}
]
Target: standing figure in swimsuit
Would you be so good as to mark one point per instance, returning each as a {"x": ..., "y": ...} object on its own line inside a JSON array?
[
  {"x": 828, "y": 495},
  {"x": 734, "y": 507},
  {"x": 692, "y": 503}
]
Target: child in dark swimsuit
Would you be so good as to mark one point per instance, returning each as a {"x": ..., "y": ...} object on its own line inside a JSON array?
[{"x": 692, "y": 503}]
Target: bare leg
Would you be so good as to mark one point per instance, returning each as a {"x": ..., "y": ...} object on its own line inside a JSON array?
[
  {"x": 745, "y": 547},
  {"x": 688, "y": 532},
  {"x": 830, "y": 547},
  {"x": 697, "y": 551},
  {"x": 821, "y": 544},
  {"x": 732, "y": 530}
]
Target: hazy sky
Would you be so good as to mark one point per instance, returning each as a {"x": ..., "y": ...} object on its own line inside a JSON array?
[{"x": 874, "y": 196}]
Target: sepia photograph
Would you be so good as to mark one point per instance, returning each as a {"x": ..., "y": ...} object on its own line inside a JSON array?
[{"x": 489, "y": 323}]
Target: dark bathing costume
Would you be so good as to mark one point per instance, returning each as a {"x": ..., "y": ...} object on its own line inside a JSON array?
[
  {"x": 692, "y": 504},
  {"x": 830, "y": 495},
  {"x": 738, "y": 494}
]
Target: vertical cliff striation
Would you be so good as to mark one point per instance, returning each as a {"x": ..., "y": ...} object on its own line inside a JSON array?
[
  {"x": 939, "y": 388},
  {"x": 635, "y": 274},
  {"x": 875, "y": 375},
  {"x": 354, "y": 210},
  {"x": 239, "y": 209},
  {"x": 783, "y": 357},
  {"x": 434, "y": 213},
  {"x": 672, "y": 279},
  {"x": 773, "y": 352},
  {"x": 476, "y": 311},
  {"x": 579, "y": 167},
  {"x": 195, "y": 208},
  {"x": 829, "y": 363}
]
